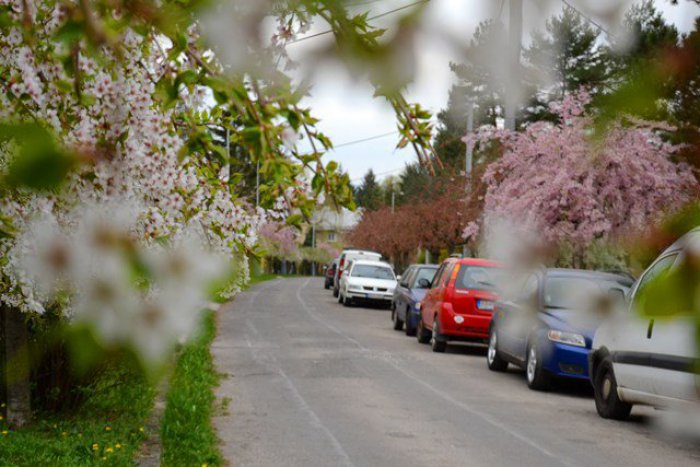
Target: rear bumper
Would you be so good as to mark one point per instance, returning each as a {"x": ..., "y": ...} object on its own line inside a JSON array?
[{"x": 473, "y": 328}]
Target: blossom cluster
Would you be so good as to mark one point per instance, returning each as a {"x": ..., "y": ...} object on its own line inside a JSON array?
[
  {"x": 132, "y": 240},
  {"x": 574, "y": 186}
]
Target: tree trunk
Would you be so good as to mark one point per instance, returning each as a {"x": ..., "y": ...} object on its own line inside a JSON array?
[{"x": 16, "y": 344}]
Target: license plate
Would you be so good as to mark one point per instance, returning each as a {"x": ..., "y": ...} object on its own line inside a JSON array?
[
  {"x": 485, "y": 305},
  {"x": 372, "y": 296}
]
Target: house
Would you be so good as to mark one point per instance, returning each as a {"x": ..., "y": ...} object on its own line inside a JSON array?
[{"x": 332, "y": 223}]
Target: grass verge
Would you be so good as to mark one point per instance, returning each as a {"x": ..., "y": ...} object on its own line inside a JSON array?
[
  {"x": 107, "y": 429},
  {"x": 187, "y": 433}
]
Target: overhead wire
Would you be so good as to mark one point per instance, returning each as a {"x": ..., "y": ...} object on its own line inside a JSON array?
[{"x": 380, "y": 15}]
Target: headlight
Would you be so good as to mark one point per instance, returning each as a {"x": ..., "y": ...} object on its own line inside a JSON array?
[
  {"x": 566, "y": 338},
  {"x": 354, "y": 288}
]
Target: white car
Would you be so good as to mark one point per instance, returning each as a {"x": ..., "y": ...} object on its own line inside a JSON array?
[
  {"x": 367, "y": 280},
  {"x": 638, "y": 360}
]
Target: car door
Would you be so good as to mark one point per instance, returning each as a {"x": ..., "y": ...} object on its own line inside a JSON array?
[
  {"x": 402, "y": 292},
  {"x": 438, "y": 294},
  {"x": 428, "y": 306},
  {"x": 515, "y": 319},
  {"x": 631, "y": 337}
]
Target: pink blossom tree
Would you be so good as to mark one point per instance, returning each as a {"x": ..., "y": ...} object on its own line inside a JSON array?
[{"x": 576, "y": 185}]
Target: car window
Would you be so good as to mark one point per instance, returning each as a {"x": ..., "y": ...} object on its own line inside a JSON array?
[
  {"x": 438, "y": 276},
  {"x": 447, "y": 273},
  {"x": 372, "y": 272},
  {"x": 662, "y": 265},
  {"x": 478, "y": 278},
  {"x": 529, "y": 289},
  {"x": 569, "y": 292},
  {"x": 407, "y": 275},
  {"x": 422, "y": 273}
]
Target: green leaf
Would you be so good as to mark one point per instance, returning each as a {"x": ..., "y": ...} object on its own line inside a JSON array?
[{"x": 39, "y": 164}]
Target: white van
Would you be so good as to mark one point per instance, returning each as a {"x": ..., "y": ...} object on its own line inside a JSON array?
[
  {"x": 351, "y": 255},
  {"x": 640, "y": 360}
]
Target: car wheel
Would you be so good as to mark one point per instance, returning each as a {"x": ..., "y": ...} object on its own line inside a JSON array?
[
  {"x": 607, "y": 402},
  {"x": 336, "y": 293},
  {"x": 410, "y": 330},
  {"x": 398, "y": 324},
  {"x": 537, "y": 377},
  {"x": 347, "y": 301},
  {"x": 493, "y": 357},
  {"x": 422, "y": 334},
  {"x": 436, "y": 344}
]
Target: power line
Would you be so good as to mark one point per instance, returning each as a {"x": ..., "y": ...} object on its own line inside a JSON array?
[
  {"x": 587, "y": 18},
  {"x": 381, "y": 15},
  {"x": 388, "y": 172},
  {"x": 370, "y": 138}
]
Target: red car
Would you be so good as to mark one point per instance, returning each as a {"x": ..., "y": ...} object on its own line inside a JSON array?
[{"x": 460, "y": 302}]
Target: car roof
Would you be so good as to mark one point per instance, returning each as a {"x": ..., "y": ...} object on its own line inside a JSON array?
[
  {"x": 474, "y": 262},
  {"x": 588, "y": 274},
  {"x": 420, "y": 265},
  {"x": 360, "y": 252},
  {"x": 682, "y": 242},
  {"x": 371, "y": 263}
]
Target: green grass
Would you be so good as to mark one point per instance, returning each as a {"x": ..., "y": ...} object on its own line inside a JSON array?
[
  {"x": 187, "y": 433},
  {"x": 107, "y": 429}
]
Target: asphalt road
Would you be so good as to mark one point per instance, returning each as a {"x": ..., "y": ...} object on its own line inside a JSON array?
[{"x": 312, "y": 383}]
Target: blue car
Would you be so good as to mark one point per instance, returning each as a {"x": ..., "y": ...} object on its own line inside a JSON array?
[
  {"x": 548, "y": 329},
  {"x": 405, "y": 306}
]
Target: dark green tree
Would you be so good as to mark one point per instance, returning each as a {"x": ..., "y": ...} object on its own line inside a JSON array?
[
  {"x": 561, "y": 59},
  {"x": 369, "y": 194}
]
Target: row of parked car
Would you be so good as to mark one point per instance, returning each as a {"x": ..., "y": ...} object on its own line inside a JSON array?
[{"x": 552, "y": 326}]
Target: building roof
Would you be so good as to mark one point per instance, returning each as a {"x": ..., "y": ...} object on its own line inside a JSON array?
[{"x": 328, "y": 218}]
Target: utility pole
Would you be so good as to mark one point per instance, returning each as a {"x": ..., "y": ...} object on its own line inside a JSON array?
[
  {"x": 393, "y": 199},
  {"x": 257, "y": 184},
  {"x": 227, "y": 172},
  {"x": 470, "y": 147},
  {"x": 515, "y": 33}
]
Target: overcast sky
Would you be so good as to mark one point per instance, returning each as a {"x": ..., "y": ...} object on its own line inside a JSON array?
[{"x": 347, "y": 110}]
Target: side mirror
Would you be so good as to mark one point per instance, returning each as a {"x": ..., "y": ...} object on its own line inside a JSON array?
[
  {"x": 398, "y": 278},
  {"x": 424, "y": 283}
]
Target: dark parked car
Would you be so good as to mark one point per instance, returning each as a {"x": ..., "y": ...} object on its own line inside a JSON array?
[
  {"x": 405, "y": 307},
  {"x": 329, "y": 274},
  {"x": 548, "y": 329}
]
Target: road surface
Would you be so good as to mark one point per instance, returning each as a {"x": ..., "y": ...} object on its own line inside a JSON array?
[{"x": 312, "y": 383}]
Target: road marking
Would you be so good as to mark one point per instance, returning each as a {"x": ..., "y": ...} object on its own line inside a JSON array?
[
  {"x": 484, "y": 416},
  {"x": 301, "y": 402}
]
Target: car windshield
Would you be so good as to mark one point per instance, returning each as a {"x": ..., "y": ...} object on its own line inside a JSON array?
[
  {"x": 372, "y": 272},
  {"x": 570, "y": 292},
  {"x": 478, "y": 277},
  {"x": 424, "y": 273}
]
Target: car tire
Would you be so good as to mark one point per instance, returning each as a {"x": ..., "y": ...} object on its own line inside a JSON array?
[
  {"x": 437, "y": 345},
  {"x": 347, "y": 301},
  {"x": 607, "y": 401},
  {"x": 537, "y": 377},
  {"x": 398, "y": 324},
  {"x": 493, "y": 357},
  {"x": 422, "y": 334},
  {"x": 410, "y": 330}
]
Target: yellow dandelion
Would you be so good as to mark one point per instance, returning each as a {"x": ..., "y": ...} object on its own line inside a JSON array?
[
  {"x": 204, "y": 465},
  {"x": 0, "y": 417},
  {"x": 104, "y": 458},
  {"x": 109, "y": 449},
  {"x": 141, "y": 429},
  {"x": 108, "y": 428},
  {"x": 5, "y": 432},
  {"x": 64, "y": 433},
  {"x": 118, "y": 446},
  {"x": 95, "y": 447}
]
